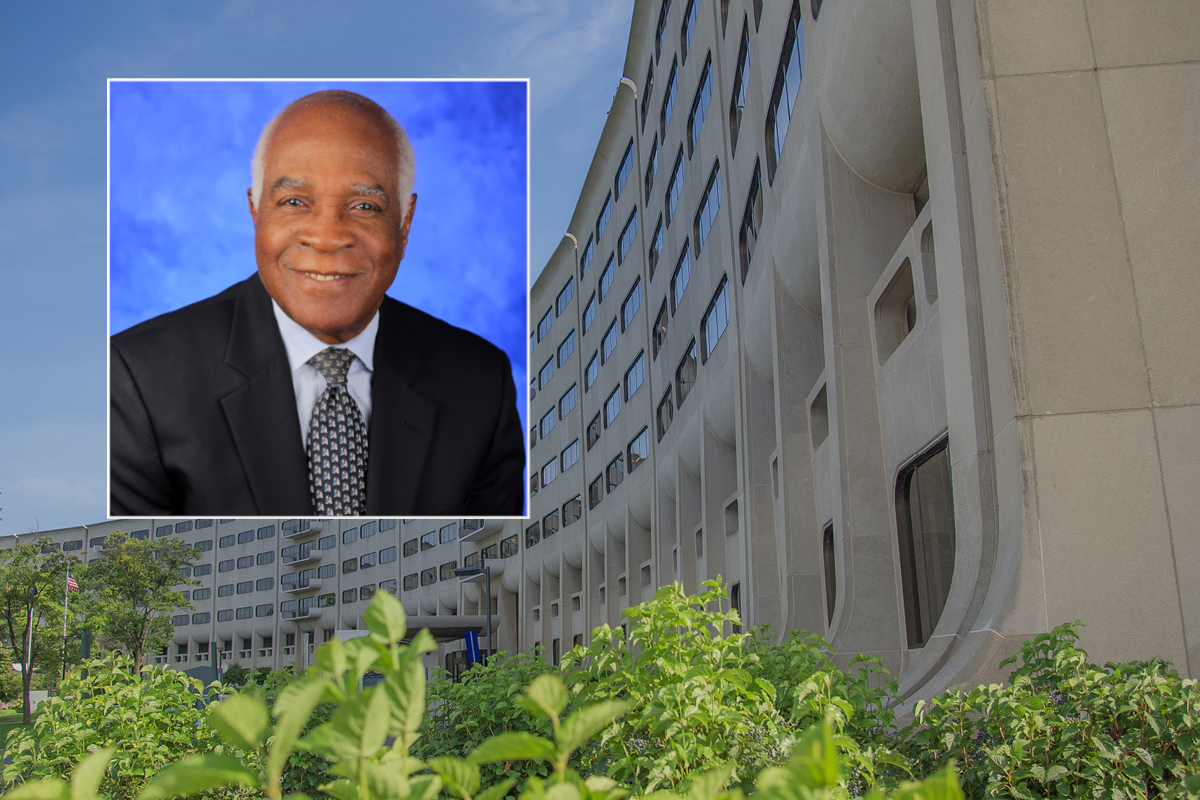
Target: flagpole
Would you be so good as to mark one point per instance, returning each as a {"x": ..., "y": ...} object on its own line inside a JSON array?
[{"x": 66, "y": 594}]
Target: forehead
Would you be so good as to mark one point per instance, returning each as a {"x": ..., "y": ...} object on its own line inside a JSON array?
[{"x": 332, "y": 139}]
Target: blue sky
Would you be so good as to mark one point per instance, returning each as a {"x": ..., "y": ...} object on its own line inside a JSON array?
[{"x": 56, "y": 60}]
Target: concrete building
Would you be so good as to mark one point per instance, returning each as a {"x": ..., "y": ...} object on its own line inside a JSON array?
[{"x": 886, "y": 312}]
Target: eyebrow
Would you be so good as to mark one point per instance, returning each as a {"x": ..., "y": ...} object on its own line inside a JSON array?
[
  {"x": 289, "y": 183},
  {"x": 370, "y": 191}
]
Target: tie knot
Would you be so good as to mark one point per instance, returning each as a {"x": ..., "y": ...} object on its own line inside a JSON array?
[{"x": 333, "y": 363}]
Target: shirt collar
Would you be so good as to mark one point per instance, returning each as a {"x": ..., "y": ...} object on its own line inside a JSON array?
[{"x": 302, "y": 345}]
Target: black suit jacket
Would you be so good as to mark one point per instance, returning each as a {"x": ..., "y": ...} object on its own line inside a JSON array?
[{"x": 204, "y": 420}]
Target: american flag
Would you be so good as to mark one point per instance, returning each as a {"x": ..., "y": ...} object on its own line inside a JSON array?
[{"x": 71, "y": 584}]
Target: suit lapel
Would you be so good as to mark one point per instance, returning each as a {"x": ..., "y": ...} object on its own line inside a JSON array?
[
  {"x": 262, "y": 412},
  {"x": 402, "y": 419}
]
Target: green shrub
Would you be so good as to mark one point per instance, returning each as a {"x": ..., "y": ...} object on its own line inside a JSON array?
[
  {"x": 485, "y": 702},
  {"x": 695, "y": 698},
  {"x": 151, "y": 718}
]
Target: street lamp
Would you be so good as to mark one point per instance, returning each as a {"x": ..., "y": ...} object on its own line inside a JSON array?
[{"x": 469, "y": 572}]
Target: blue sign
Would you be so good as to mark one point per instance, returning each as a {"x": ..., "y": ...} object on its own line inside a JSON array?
[{"x": 472, "y": 638}]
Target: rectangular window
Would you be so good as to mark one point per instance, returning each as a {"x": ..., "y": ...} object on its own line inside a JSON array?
[
  {"x": 225, "y": 591},
  {"x": 264, "y": 584},
  {"x": 572, "y": 510},
  {"x": 550, "y": 524},
  {"x": 639, "y": 449},
  {"x": 97, "y": 541},
  {"x": 585, "y": 258},
  {"x": 245, "y": 587},
  {"x": 266, "y": 532},
  {"x": 410, "y": 548},
  {"x": 410, "y": 582},
  {"x": 663, "y": 14},
  {"x": 707, "y": 215},
  {"x": 388, "y": 586},
  {"x": 690, "y": 14},
  {"x": 608, "y": 343},
  {"x": 448, "y": 533},
  {"x": 567, "y": 403},
  {"x": 564, "y": 297},
  {"x": 387, "y": 555},
  {"x": 751, "y": 222},
  {"x": 624, "y": 170},
  {"x": 741, "y": 82},
  {"x": 658, "y": 336},
  {"x": 700, "y": 106},
  {"x": 606, "y": 277},
  {"x": 664, "y": 116},
  {"x": 605, "y": 216},
  {"x": 675, "y": 186},
  {"x": 288, "y": 554},
  {"x": 202, "y": 594},
  {"x": 429, "y": 541},
  {"x": 203, "y": 523},
  {"x": 786, "y": 89},
  {"x": 245, "y": 562},
  {"x": 548, "y": 422},
  {"x": 429, "y": 576},
  {"x": 570, "y": 455},
  {"x": 326, "y": 571},
  {"x": 226, "y": 541},
  {"x": 656, "y": 242},
  {"x": 262, "y": 559},
  {"x": 651, "y": 168},
  {"x": 546, "y": 373},
  {"x": 533, "y": 534},
  {"x": 593, "y": 431},
  {"x": 225, "y": 566},
  {"x": 716, "y": 319},
  {"x": 925, "y": 522},
  {"x": 635, "y": 375},
  {"x": 615, "y": 472},
  {"x": 142, "y": 536},
  {"x": 647, "y": 91},
  {"x": 350, "y": 595},
  {"x": 566, "y": 348},
  {"x": 685, "y": 375},
  {"x": 327, "y": 542},
  {"x": 366, "y": 530},
  {"x": 183, "y": 527},
  {"x": 595, "y": 492},
  {"x": 225, "y": 615},
  {"x": 589, "y": 313},
  {"x": 245, "y": 537},
  {"x": 350, "y": 565},
  {"x": 545, "y": 323},
  {"x": 203, "y": 618},
  {"x": 161, "y": 531},
  {"x": 549, "y": 472},
  {"x": 633, "y": 302},
  {"x": 387, "y": 525},
  {"x": 202, "y": 569},
  {"x": 287, "y": 609},
  {"x": 509, "y": 547},
  {"x": 592, "y": 372},
  {"x": 180, "y": 620},
  {"x": 204, "y": 545},
  {"x": 612, "y": 407},
  {"x": 681, "y": 276},
  {"x": 350, "y": 536},
  {"x": 628, "y": 234},
  {"x": 245, "y": 612}
]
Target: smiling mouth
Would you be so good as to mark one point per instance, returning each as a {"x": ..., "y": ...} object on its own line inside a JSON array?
[{"x": 324, "y": 277}]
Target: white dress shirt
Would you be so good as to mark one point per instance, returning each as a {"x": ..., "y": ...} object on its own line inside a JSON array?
[{"x": 309, "y": 384}]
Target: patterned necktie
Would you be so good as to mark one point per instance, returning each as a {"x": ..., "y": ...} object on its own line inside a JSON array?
[{"x": 337, "y": 441}]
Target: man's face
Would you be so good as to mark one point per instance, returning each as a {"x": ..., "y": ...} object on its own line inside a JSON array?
[{"x": 327, "y": 231}]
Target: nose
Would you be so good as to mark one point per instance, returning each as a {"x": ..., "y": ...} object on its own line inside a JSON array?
[{"x": 326, "y": 229}]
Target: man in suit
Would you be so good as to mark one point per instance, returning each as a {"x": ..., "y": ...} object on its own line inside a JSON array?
[{"x": 303, "y": 389}]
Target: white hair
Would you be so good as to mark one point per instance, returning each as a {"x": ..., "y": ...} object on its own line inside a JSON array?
[{"x": 406, "y": 172}]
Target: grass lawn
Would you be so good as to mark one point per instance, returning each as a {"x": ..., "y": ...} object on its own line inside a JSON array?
[{"x": 8, "y": 721}]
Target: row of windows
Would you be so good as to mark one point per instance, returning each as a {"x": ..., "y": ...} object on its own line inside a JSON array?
[
  {"x": 572, "y": 510},
  {"x": 568, "y": 458},
  {"x": 635, "y": 376},
  {"x": 224, "y": 615},
  {"x": 447, "y": 533},
  {"x": 636, "y": 452}
]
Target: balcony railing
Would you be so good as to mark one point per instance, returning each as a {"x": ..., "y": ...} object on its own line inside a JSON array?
[
  {"x": 304, "y": 528},
  {"x": 301, "y": 586}
]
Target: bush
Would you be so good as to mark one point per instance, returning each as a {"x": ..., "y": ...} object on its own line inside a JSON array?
[
  {"x": 151, "y": 718},
  {"x": 695, "y": 698}
]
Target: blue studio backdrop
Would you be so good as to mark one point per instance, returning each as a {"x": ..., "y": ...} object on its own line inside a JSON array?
[{"x": 180, "y": 229}]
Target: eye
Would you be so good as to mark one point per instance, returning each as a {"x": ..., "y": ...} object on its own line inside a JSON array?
[
  {"x": 364, "y": 206},
  {"x": 292, "y": 201}
]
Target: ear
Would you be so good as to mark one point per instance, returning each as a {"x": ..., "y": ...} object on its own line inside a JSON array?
[
  {"x": 253, "y": 211},
  {"x": 412, "y": 206}
]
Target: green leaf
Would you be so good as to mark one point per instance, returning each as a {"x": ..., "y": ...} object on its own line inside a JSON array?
[
  {"x": 341, "y": 789},
  {"x": 585, "y": 723},
  {"x": 814, "y": 759},
  {"x": 513, "y": 746},
  {"x": 198, "y": 774},
  {"x": 405, "y": 692},
  {"x": 562, "y": 791},
  {"x": 292, "y": 710},
  {"x": 384, "y": 780},
  {"x": 496, "y": 791},
  {"x": 460, "y": 777},
  {"x": 45, "y": 789},
  {"x": 385, "y": 619},
  {"x": 707, "y": 785},
  {"x": 242, "y": 721},
  {"x": 546, "y": 695},
  {"x": 85, "y": 780}
]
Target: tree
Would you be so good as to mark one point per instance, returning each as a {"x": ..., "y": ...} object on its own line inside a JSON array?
[
  {"x": 31, "y": 587},
  {"x": 131, "y": 592}
]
